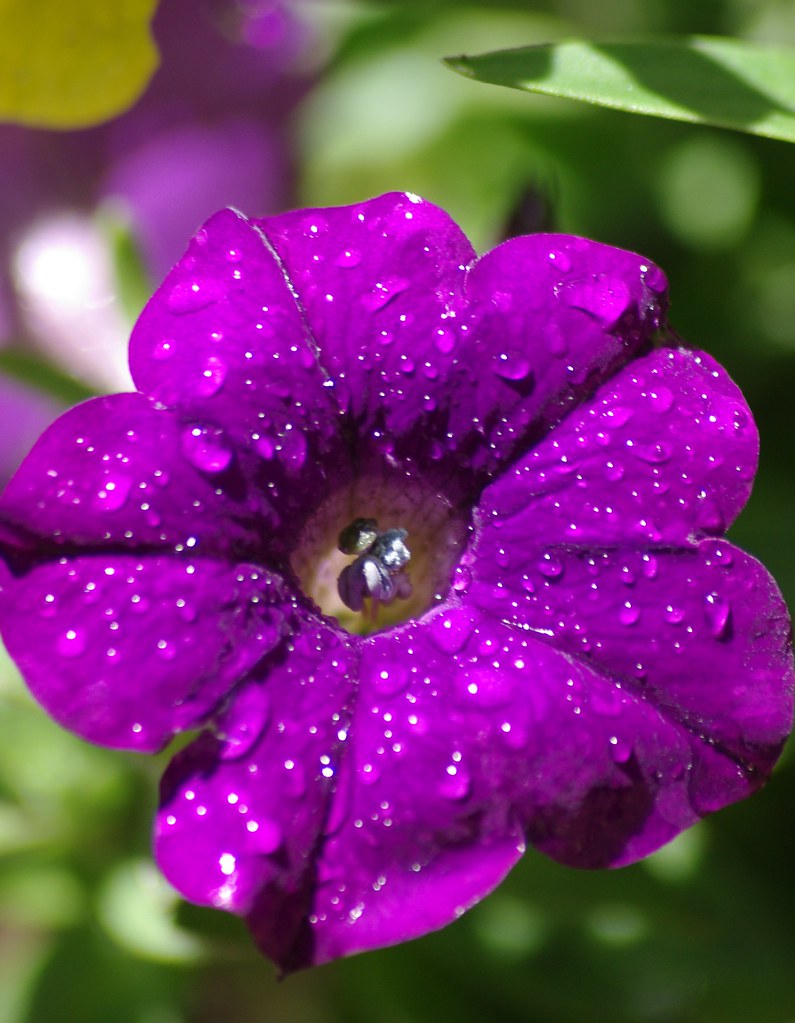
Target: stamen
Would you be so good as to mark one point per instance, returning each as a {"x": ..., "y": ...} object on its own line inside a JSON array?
[
  {"x": 377, "y": 573},
  {"x": 358, "y": 537}
]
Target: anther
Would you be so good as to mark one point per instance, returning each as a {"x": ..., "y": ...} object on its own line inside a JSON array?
[
  {"x": 358, "y": 537},
  {"x": 377, "y": 573}
]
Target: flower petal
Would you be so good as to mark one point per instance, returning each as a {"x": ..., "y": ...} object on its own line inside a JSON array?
[
  {"x": 481, "y": 373},
  {"x": 127, "y": 650},
  {"x": 701, "y": 633},
  {"x": 223, "y": 342},
  {"x": 243, "y": 811},
  {"x": 119, "y": 471},
  {"x": 551, "y": 317},
  {"x": 381, "y": 286},
  {"x": 664, "y": 451}
]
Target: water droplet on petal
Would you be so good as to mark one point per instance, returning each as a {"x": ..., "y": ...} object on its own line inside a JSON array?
[
  {"x": 661, "y": 399},
  {"x": 620, "y": 751},
  {"x": 550, "y": 566},
  {"x": 655, "y": 279},
  {"x": 462, "y": 579},
  {"x": 72, "y": 643},
  {"x": 511, "y": 366},
  {"x": 212, "y": 376},
  {"x": 560, "y": 261},
  {"x": 451, "y": 629},
  {"x": 190, "y": 296},
  {"x": 112, "y": 494},
  {"x": 369, "y": 773},
  {"x": 616, "y": 416},
  {"x": 673, "y": 614},
  {"x": 163, "y": 350},
  {"x": 601, "y": 297},
  {"x": 456, "y": 782},
  {"x": 718, "y": 613},
  {"x": 206, "y": 448},
  {"x": 244, "y": 723},
  {"x": 650, "y": 566},
  {"x": 390, "y": 679},
  {"x": 348, "y": 258},
  {"x": 265, "y": 836},
  {"x": 444, "y": 340},
  {"x": 629, "y": 613},
  {"x": 654, "y": 454},
  {"x": 383, "y": 293}
]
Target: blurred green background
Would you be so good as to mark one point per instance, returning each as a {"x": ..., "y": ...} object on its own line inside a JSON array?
[{"x": 324, "y": 102}]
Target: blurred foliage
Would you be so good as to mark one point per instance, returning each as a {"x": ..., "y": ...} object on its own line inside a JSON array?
[
  {"x": 70, "y": 65},
  {"x": 702, "y": 931}
]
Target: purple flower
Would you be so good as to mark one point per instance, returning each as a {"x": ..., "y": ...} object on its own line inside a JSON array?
[{"x": 571, "y": 655}]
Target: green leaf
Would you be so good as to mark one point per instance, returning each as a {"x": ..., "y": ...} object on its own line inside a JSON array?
[
  {"x": 73, "y": 63},
  {"x": 702, "y": 79}
]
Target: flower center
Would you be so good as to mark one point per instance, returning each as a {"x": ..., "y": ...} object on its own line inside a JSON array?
[{"x": 379, "y": 552}]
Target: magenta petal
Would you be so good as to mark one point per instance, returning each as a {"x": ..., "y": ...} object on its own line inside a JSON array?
[
  {"x": 243, "y": 811},
  {"x": 701, "y": 633},
  {"x": 665, "y": 450},
  {"x": 127, "y": 650},
  {"x": 381, "y": 286},
  {"x": 121, "y": 471},
  {"x": 420, "y": 831},
  {"x": 551, "y": 316},
  {"x": 224, "y": 342}
]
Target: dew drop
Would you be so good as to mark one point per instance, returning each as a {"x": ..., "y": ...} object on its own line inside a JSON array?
[
  {"x": 620, "y": 751},
  {"x": 560, "y": 261},
  {"x": 444, "y": 340},
  {"x": 112, "y": 494},
  {"x": 167, "y": 651},
  {"x": 211, "y": 378},
  {"x": 462, "y": 579},
  {"x": 629, "y": 613},
  {"x": 190, "y": 296},
  {"x": 617, "y": 416},
  {"x": 655, "y": 279},
  {"x": 265, "y": 836},
  {"x": 72, "y": 643},
  {"x": 654, "y": 454},
  {"x": 550, "y": 566},
  {"x": 673, "y": 614},
  {"x": 383, "y": 293},
  {"x": 718, "y": 614},
  {"x": 605, "y": 299},
  {"x": 456, "y": 783},
  {"x": 348, "y": 258},
  {"x": 451, "y": 629},
  {"x": 650, "y": 566},
  {"x": 245, "y": 723},
  {"x": 369, "y": 773},
  {"x": 163, "y": 350},
  {"x": 661, "y": 399},
  {"x": 206, "y": 448},
  {"x": 390, "y": 679},
  {"x": 511, "y": 366}
]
